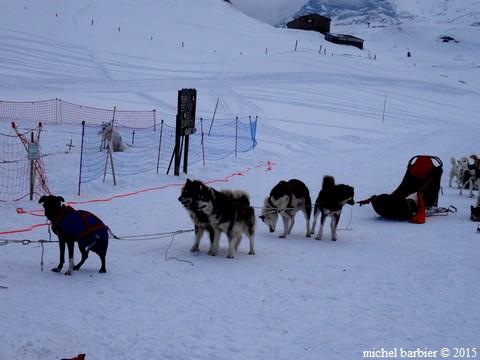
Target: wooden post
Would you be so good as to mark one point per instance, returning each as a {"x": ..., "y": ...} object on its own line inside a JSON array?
[
  {"x": 159, "y": 146},
  {"x": 236, "y": 135},
  {"x": 213, "y": 117},
  {"x": 32, "y": 173},
  {"x": 110, "y": 151},
  {"x": 202, "y": 141},
  {"x": 296, "y": 44},
  {"x": 81, "y": 158},
  {"x": 384, "y": 107},
  {"x": 185, "y": 154},
  {"x": 155, "y": 120}
]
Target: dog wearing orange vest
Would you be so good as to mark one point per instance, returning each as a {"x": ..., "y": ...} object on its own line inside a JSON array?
[{"x": 79, "y": 226}]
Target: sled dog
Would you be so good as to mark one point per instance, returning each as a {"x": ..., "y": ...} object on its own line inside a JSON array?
[
  {"x": 475, "y": 210},
  {"x": 470, "y": 175},
  {"x": 79, "y": 226},
  {"x": 286, "y": 199},
  {"x": 227, "y": 212},
  {"x": 109, "y": 133},
  {"x": 218, "y": 212},
  {"x": 330, "y": 201},
  {"x": 454, "y": 172},
  {"x": 188, "y": 198}
]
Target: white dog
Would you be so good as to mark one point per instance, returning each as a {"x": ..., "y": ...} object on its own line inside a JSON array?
[
  {"x": 454, "y": 172},
  {"x": 109, "y": 133}
]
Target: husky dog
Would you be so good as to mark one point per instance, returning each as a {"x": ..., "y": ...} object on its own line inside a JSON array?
[
  {"x": 188, "y": 198},
  {"x": 475, "y": 211},
  {"x": 109, "y": 133},
  {"x": 227, "y": 212},
  {"x": 454, "y": 172},
  {"x": 78, "y": 226},
  {"x": 470, "y": 175},
  {"x": 330, "y": 202},
  {"x": 287, "y": 198}
]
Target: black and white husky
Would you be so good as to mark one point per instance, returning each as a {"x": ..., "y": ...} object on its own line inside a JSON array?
[
  {"x": 215, "y": 212},
  {"x": 330, "y": 201},
  {"x": 286, "y": 199},
  {"x": 188, "y": 197},
  {"x": 227, "y": 212}
]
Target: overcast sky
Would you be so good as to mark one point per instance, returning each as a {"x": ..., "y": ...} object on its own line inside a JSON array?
[{"x": 270, "y": 11}]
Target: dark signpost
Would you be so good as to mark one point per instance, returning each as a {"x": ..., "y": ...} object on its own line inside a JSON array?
[{"x": 185, "y": 126}]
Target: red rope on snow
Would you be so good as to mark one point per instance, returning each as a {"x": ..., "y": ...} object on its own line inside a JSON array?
[{"x": 40, "y": 212}]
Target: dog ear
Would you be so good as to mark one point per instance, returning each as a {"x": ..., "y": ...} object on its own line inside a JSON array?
[
  {"x": 42, "y": 200},
  {"x": 262, "y": 217},
  {"x": 188, "y": 181},
  {"x": 60, "y": 198}
]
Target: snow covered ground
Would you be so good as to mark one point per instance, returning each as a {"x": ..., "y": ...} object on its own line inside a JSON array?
[{"x": 383, "y": 284}]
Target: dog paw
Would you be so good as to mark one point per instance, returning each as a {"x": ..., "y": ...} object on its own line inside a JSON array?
[
  {"x": 102, "y": 271},
  {"x": 318, "y": 238},
  {"x": 251, "y": 252},
  {"x": 195, "y": 248},
  {"x": 68, "y": 273},
  {"x": 76, "y": 267},
  {"x": 229, "y": 256},
  {"x": 282, "y": 236},
  {"x": 57, "y": 269},
  {"x": 334, "y": 239},
  {"x": 308, "y": 235}
]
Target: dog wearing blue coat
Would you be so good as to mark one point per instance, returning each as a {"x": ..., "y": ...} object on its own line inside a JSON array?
[{"x": 79, "y": 226}]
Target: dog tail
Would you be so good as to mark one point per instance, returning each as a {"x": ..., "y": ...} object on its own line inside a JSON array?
[
  {"x": 241, "y": 197},
  {"x": 328, "y": 181},
  {"x": 453, "y": 161}
]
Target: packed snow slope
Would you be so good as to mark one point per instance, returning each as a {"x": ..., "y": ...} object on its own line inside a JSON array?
[{"x": 357, "y": 115}]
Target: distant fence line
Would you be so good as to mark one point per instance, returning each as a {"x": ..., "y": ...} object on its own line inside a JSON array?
[{"x": 57, "y": 111}]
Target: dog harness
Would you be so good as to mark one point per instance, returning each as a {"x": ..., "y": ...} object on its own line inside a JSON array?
[{"x": 81, "y": 226}]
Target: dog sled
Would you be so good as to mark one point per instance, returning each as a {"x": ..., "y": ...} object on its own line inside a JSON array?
[{"x": 422, "y": 178}]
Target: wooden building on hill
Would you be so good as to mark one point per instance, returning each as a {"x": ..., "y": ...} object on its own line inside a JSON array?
[
  {"x": 344, "y": 39},
  {"x": 312, "y": 22}
]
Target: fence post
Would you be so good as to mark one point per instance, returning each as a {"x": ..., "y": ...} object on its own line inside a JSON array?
[
  {"x": 255, "y": 132},
  {"x": 213, "y": 117},
  {"x": 202, "y": 141},
  {"x": 236, "y": 135},
  {"x": 81, "y": 158},
  {"x": 296, "y": 44},
  {"x": 32, "y": 172},
  {"x": 56, "y": 110},
  {"x": 60, "y": 111},
  {"x": 384, "y": 107},
  {"x": 251, "y": 131},
  {"x": 160, "y": 145},
  {"x": 155, "y": 120},
  {"x": 133, "y": 137}
]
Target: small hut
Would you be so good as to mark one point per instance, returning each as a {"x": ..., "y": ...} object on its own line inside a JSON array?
[
  {"x": 313, "y": 22},
  {"x": 344, "y": 39}
]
